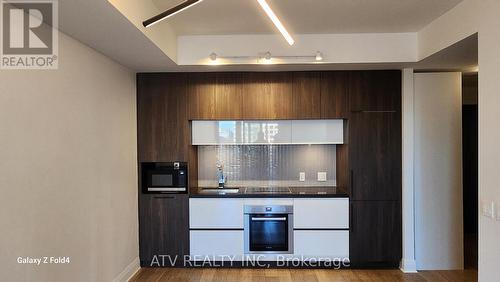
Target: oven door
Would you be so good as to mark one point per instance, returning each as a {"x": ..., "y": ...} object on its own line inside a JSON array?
[{"x": 268, "y": 233}]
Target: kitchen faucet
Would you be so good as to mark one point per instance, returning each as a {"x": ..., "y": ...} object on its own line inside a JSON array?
[{"x": 220, "y": 174}]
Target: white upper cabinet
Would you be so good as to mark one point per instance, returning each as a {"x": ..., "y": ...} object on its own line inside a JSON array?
[
  {"x": 263, "y": 132},
  {"x": 326, "y": 131}
]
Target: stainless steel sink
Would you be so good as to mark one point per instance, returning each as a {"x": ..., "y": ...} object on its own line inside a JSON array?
[{"x": 221, "y": 191}]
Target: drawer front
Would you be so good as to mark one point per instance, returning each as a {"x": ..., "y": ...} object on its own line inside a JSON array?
[
  {"x": 215, "y": 213},
  {"x": 332, "y": 244},
  {"x": 321, "y": 213},
  {"x": 216, "y": 243}
]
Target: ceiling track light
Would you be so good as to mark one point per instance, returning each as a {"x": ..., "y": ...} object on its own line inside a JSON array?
[
  {"x": 266, "y": 57},
  {"x": 276, "y": 21},
  {"x": 170, "y": 12}
]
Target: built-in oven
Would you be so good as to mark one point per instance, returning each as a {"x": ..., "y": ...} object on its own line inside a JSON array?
[
  {"x": 164, "y": 177},
  {"x": 268, "y": 229}
]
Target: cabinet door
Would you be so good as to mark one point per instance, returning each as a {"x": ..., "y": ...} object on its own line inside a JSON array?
[
  {"x": 163, "y": 227},
  {"x": 321, "y": 244},
  {"x": 162, "y": 124},
  {"x": 306, "y": 91},
  {"x": 228, "y": 96},
  {"x": 321, "y": 213},
  {"x": 318, "y": 131},
  {"x": 218, "y": 243},
  {"x": 267, "y": 95},
  {"x": 375, "y": 90},
  {"x": 375, "y": 156},
  {"x": 334, "y": 94},
  {"x": 201, "y": 93},
  {"x": 375, "y": 232}
]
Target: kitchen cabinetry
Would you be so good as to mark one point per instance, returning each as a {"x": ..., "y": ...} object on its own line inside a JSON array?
[
  {"x": 375, "y": 234},
  {"x": 306, "y": 95},
  {"x": 162, "y": 124},
  {"x": 216, "y": 213},
  {"x": 375, "y": 156},
  {"x": 375, "y": 90},
  {"x": 334, "y": 94},
  {"x": 267, "y": 95},
  {"x": 216, "y": 243},
  {"x": 267, "y": 132},
  {"x": 163, "y": 227},
  {"x": 333, "y": 244},
  {"x": 375, "y": 168},
  {"x": 321, "y": 213},
  {"x": 201, "y": 95}
]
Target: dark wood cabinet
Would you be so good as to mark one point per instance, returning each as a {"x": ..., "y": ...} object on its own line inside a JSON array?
[
  {"x": 306, "y": 95},
  {"x": 334, "y": 94},
  {"x": 201, "y": 95},
  {"x": 163, "y": 228},
  {"x": 375, "y": 233},
  {"x": 267, "y": 95},
  {"x": 163, "y": 132},
  {"x": 375, "y": 156},
  {"x": 375, "y": 90}
]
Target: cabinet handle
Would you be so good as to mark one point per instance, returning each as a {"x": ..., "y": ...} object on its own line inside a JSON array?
[
  {"x": 352, "y": 183},
  {"x": 351, "y": 218},
  {"x": 164, "y": 197}
]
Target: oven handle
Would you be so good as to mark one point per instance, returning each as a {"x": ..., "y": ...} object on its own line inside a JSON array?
[{"x": 268, "y": 218}]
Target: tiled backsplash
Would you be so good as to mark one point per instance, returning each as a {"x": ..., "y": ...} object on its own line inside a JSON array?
[{"x": 267, "y": 165}]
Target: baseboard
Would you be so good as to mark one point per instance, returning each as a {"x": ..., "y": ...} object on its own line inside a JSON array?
[
  {"x": 128, "y": 272},
  {"x": 408, "y": 266}
]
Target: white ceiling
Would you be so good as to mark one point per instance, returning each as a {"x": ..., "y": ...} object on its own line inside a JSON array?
[{"x": 217, "y": 17}]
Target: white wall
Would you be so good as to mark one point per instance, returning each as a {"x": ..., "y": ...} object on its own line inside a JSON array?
[
  {"x": 438, "y": 171},
  {"x": 68, "y": 168}
]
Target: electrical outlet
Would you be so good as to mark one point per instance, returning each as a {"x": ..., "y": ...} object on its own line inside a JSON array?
[
  {"x": 322, "y": 176},
  {"x": 302, "y": 176},
  {"x": 488, "y": 209}
]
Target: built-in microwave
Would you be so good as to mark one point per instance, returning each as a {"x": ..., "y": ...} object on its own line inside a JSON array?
[{"x": 164, "y": 177}]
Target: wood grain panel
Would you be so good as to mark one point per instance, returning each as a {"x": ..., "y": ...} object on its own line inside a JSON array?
[
  {"x": 162, "y": 124},
  {"x": 201, "y": 91},
  {"x": 306, "y": 91},
  {"x": 164, "y": 226},
  {"x": 334, "y": 94},
  {"x": 228, "y": 96},
  {"x": 267, "y": 95},
  {"x": 375, "y": 90},
  {"x": 375, "y": 156},
  {"x": 375, "y": 232}
]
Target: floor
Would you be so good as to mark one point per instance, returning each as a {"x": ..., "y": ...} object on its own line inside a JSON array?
[{"x": 237, "y": 274}]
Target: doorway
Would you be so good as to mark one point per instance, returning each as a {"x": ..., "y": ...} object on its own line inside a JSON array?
[{"x": 470, "y": 168}]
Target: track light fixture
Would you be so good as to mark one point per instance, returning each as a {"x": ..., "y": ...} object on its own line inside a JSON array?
[{"x": 170, "y": 12}]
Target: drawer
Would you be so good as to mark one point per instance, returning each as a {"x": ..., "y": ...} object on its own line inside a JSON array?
[
  {"x": 218, "y": 243},
  {"x": 321, "y": 213},
  {"x": 215, "y": 213},
  {"x": 332, "y": 244}
]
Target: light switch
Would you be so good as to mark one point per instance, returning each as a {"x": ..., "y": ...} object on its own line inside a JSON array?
[
  {"x": 302, "y": 176},
  {"x": 322, "y": 176},
  {"x": 488, "y": 209}
]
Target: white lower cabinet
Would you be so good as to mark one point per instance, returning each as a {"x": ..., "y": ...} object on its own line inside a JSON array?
[
  {"x": 215, "y": 213},
  {"x": 332, "y": 244},
  {"x": 216, "y": 245},
  {"x": 321, "y": 213}
]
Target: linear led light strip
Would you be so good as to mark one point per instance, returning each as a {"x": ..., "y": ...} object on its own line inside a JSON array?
[
  {"x": 276, "y": 21},
  {"x": 170, "y": 12}
]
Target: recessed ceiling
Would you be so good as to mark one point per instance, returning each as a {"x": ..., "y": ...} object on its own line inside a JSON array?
[{"x": 218, "y": 17}]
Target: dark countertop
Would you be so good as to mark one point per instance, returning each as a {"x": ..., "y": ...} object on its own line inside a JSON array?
[{"x": 297, "y": 192}]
